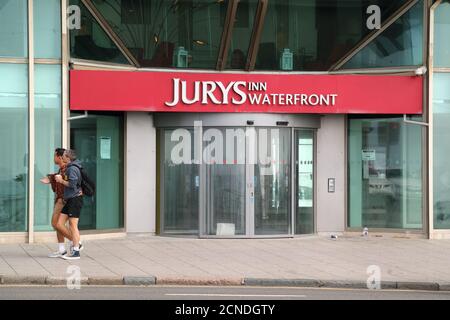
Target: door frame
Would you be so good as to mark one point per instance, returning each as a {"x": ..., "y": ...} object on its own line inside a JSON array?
[{"x": 233, "y": 120}]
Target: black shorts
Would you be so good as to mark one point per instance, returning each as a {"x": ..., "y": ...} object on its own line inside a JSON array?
[{"x": 73, "y": 207}]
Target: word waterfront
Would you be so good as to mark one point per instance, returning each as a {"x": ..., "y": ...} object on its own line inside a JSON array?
[{"x": 241, "y": 92}]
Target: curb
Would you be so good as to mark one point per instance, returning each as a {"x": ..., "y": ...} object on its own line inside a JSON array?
[
  {"x": 265, "y": 282},
  {"x": 200, "y": 281},
  {"x": 139, "y": 281},
  {"x": 346, "y": 284}
]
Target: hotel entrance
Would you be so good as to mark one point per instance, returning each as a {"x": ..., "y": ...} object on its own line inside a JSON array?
[{"x": 249, "y": 180}]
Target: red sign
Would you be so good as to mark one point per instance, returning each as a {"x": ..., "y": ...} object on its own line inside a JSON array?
[{"x": 154, "y": 91}]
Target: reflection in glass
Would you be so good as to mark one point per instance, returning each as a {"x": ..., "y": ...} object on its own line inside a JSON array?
[
  {"x": 181, "y": 183},
  {"x": 14, "y": 144},
  {"x": 91, "y": 42},
  {"x": 272, "y": 182},
  {"x": 160, "y": 32},
  {"x": 385, "y": 174},
  {"x": 317, "y": 32},
  {"x": 399, "y": 45},
  {"x": 441, "y": 149},
  {"x": 304, "y": 215}
]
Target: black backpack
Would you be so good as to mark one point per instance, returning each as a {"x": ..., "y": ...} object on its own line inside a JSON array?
[{"x": 87, "y": 185}]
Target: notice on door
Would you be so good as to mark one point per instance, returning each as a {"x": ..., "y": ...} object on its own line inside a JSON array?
[
  {"x": 105, "y": 148},
  {"x": 368, "y": 155}
]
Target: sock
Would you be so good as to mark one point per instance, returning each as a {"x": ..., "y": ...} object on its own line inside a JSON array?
[
  {"x": 71, "y": 243},
  {"x": 61, "y": 247},
  {"x": 76, "y": 248}
]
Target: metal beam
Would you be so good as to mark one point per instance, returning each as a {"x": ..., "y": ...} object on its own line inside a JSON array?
[
  {"x": 369, "y": 38},
  {"x": 256, "y": 35},
  {"x": 31, "y": 123},
  {"x": 110, "y": 32},
  {"x": 226, "y": 34},
  {"x": 431, "y": 120}
]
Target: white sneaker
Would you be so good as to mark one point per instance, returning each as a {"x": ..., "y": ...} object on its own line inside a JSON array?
[{"x": 57, "y": 254}]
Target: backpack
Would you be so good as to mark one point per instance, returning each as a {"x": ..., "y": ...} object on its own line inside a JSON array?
[{"x": 87, "y": 185}]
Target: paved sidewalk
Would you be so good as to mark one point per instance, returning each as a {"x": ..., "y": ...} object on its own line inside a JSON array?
[{"x": 225, "y": 261}]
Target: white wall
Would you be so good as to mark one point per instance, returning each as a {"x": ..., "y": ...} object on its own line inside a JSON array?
[
  {"x": 140, "y": 173},
  {"x": 331, "y": 163}
]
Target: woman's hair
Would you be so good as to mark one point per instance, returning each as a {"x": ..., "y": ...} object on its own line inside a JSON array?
[{"x": 60, "y": 151}]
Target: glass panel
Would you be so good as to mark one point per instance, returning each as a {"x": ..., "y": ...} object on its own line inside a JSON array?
[
  {"x": 441, "y": 34},
  {"x": 98, "y": 141},
  {"x": 14, "y": 145},
  {"x": 242, "y": 32},
  {"x": 399, "y": 45},
  {"x": 304, "y": 214},
  {"x": 317, "y": 33},
  {"x": 13, "y": 28},
  {"x": 441, "y": 147},
  {"x": 91, "y": 42},
  {"x": 272, "y": 182},
  {"x": 48, "y": 138},
  {"x": 225, "y": 181},
  {"x": 385, "y": 174},
  {"x": 181, "y": 183},
  {"x": 184, "y": 33},
  {"x": 47, "y": 29}
]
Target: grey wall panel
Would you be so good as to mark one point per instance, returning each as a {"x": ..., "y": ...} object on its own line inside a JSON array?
[
  {"x": 331, "y": 163},
  {"x": 141, "y": 173}
]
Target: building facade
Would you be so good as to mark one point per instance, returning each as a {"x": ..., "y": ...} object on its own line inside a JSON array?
[{"x": 250, "y": 118}]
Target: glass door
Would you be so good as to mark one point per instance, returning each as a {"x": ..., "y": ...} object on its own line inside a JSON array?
[
  {"x": 98, "y": 142},
  {"x": 304, "y": 171},
  {"x": 246, "y": 178},
  {"x": 225, "y": 181},
  {"x": 272, "y": 182}
]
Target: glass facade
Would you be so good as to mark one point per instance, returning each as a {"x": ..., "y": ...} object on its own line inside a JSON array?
[
  {"x": 385, "y": 174},
  {"x": 14, "y": 119},
  {"x": 441, "y": 118},
  {"x": 91, "y": 42},
  {"x": 168, "y": 34},
  {"x": 47, "y": 29},
  {"x": 385, "y": 169},
  {"x": 188, "y": 33},
  {"x": 14, "y": 147},
  {"x": 441, "y": 32},
  {"x": 316, "y": 32},
  {"x": 47, "y": 138},
  {"x": 441, "y": 148},
  {"x": 401, "y": 44},
  {"x": 13, "y": 28}
]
